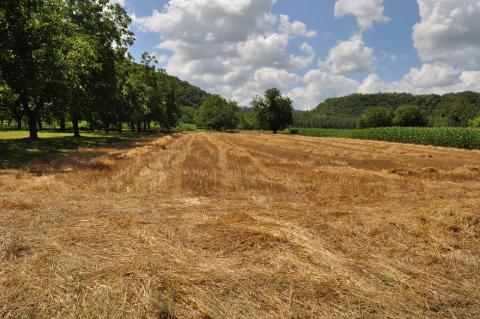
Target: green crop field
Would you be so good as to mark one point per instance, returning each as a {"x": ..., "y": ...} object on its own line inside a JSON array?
[{"x": 467, "y": 138}]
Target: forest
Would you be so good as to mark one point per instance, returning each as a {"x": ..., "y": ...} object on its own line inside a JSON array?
[{"x": 393, "y": 109}]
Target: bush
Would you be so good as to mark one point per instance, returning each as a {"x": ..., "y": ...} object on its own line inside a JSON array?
[
  {"x": 376, "y": 117},
  {"x": 186, "y": 127},
  {"x": 456, "y": 110},
  {"x": 475, "y": 122},
  {"x": 410, "y": 116},
  {"x": 216, "y": 113}
]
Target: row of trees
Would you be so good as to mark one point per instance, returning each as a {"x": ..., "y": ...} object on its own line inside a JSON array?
[
  {"x": 68, "y": 60},
  {"x": 272, "y": 112},
  {"x": 455, "y": 109}
]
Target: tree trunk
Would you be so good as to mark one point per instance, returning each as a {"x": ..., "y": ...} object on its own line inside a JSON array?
[
  {"x": 76, "y": 129},
  {"x": 144, "y": 126},
  {"x": 120, "y": 127},
  {"x": 139, "y": 127},
  {"x": 63, "y": 126},
  {"x": 132, "y": 127},
  {"x": 19, "y": 123},
  {"x": 32, "y": 119},
  {"x": 39, "y": 121},
  {"x": 32, "y": 124}
]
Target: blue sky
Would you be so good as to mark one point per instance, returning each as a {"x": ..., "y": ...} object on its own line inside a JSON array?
[{"x": 313, "y": 49}]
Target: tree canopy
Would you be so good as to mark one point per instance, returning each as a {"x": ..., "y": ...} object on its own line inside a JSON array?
[
  {"x": 217, "y": 113},
  {"x": 68, "y": 60},
  {"x": 274, "y": 112}
]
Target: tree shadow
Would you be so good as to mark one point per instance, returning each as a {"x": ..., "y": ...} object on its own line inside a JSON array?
[{"x": 26, "y": 153}]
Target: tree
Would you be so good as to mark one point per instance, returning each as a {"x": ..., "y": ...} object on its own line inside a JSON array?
[
  {"x": 32, "y": 33},
  {"x": 10, "y": 104},
  {"x": 217, "y": 113},
  {"x": 456, "y": 110},
  {"x": 409, "y": 116},
  {"x": 274, "y": 112},
  {"x": 170, "y": 112},
  {"x": 376, "y": 117}
]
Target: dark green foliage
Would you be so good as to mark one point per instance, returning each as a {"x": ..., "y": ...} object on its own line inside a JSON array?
[
  {"x": 467, "y": 138},
  {"x": 216, "y": 113},
  {"x": 456, "y": 110},
  {"x": 188, "y": 114},
  {"x": 274, "y": 112},
  {"x": 474, "y": 122},
  {"x": 410, "y": 116},
  {"x": 376, "y": 116},
  {"x": 67, "y": 61},
  {"x": 345, "y": 112},
  {"x": 248, "y": 120}
]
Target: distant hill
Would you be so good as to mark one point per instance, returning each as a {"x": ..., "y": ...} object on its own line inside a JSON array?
[
  {"x": 188, "y": 94},
  {"x": 343, "y": 112}
]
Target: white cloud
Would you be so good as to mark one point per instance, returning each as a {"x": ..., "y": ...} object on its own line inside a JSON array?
[
  {"x": 432, "y": 75},
  {"x": 318, "y": 86},
  {"x": 438, "y": 79},
  {"x": 239, "y": 48},
  {"x": 367, "y": 12},
  {"x": 449, "y": 31},
  {"x": 295, "y": 29},
  {"x": 351, "y": 56},
  {"x": 221, "y": 45},
  {"x": 264, "y": 79}
]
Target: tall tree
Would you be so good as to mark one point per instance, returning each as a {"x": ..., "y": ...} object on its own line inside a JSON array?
[
  {"x": 32, "y": 33},
  {"x": 217, "y": 113},
  {"x": 456, "y": 110},
  {"x": 274, "y": 111}
]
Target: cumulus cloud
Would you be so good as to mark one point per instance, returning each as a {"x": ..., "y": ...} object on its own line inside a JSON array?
[
  {"x": 221, "y": 45},
  {"x": 367, "y": 12},
  {"x": 430, "y": 78},
  {"x": 264, "y": 79},
  {"x": 448, "y": 32},
  {"x": 351, "y": 56},
  {"x": 319, "y": 85},
  {"x": 239, "y": 48},
  {"x": 432, "y": 75}
]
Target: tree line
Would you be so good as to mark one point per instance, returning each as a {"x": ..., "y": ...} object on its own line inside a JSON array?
[
  {"x": 68, "y": 61},
  {"x": 394, "y": 109}
]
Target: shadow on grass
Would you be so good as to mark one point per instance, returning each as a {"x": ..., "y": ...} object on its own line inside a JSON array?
[{"x": 20, "y": 153}]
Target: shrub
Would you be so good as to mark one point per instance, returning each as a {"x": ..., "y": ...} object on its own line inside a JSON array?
[
  {"x": 217, "y": 113},
  {"x": 474, "y": 122},
  {"x": 409, "y": 116},
  {"x": 376, "y": 117},
  {"x": 456, "y": 110}
]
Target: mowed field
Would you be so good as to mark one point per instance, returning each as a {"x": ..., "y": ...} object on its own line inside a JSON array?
[{"x": 248, "y": 225}]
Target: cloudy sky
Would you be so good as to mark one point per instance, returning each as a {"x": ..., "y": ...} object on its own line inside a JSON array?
[{"x": 313, "y": 49}]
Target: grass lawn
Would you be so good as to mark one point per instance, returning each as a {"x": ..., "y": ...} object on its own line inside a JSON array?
[{"x": 16, "y": 149}]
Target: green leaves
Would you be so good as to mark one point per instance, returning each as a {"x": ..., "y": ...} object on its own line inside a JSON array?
[
  {"x": 217, "y": 113},
  {"x": 274, "y": 112}
]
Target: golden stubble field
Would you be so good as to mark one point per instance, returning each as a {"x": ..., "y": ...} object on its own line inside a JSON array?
[{"x": 249, "y": 225}]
